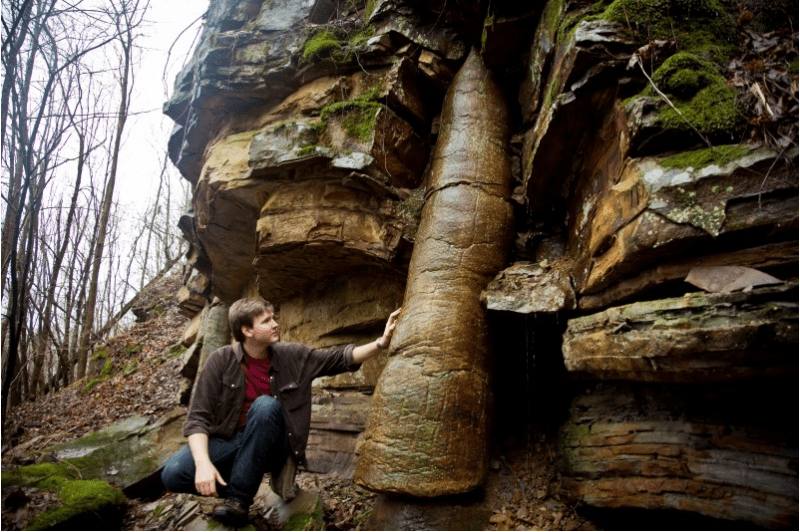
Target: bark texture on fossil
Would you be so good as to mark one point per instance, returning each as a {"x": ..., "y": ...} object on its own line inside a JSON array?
[{"x": 428, "y": 429}]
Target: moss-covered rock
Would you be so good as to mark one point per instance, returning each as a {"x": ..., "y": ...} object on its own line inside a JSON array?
[
  {"x": 718, "y": 155},
  {"x": 323, "y": 43},
  {"x": 702, "y": 99},
  {"x": 85, "y": 504},
  {"x": 699, "y": 26},
  {"x": 357, "y": 116},
  {"x": 338, "y": 46}
]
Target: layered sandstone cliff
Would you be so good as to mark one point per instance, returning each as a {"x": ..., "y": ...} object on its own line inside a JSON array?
[{"x": 650, "y": 141}]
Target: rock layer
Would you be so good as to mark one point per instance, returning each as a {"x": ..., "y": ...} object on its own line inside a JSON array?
[
  {"x": 698, "y": 337},
  {"x": 709, "y": 449},
  {"x": 427, "y": 433}
]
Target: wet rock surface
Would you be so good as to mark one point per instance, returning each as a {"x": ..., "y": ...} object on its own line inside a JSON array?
[{"x": 428, "y": 430}]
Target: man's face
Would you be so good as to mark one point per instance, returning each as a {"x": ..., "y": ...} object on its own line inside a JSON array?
[{"x": 265, "y": 329}]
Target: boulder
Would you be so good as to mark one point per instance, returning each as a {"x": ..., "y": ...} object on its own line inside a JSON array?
[{"x": 128, "y": 454}]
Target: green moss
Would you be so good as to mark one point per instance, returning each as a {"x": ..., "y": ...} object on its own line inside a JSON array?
[
  {"x": 176, "y": 350},
  {"x": 700, "y": 93},
  {"x": 705, "y": 157},
  {"x": 132, "y": 349},
  {"x": 357, "y": 116},
  {"x": 700, "y": 26},
  {"x": 712, "y": 111},
  {"x": 107, "y": 367},
  {"x": 48, "y": 476},
  {"x": 101, "y": 352},
  {"x": 360, "y": 37},
  {"x": 79, "y": 497},
  {"x": 324, "y": 42},
  {"x": 305, "y": 520},
  {"x": 91, "y": 384},
  {"x": 337, "y": 46},
  {"x": 130, "y": 368},
  {"x": 793, "y": 67},
  {"x": 369, "y": 8},
  {"x": 306, "y": 150}
]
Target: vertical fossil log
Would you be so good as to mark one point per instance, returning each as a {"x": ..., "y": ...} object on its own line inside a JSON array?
[{"x": 428, "y": 428}]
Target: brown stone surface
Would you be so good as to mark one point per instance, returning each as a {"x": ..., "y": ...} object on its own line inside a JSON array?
[
  {"x": 651, "y": 212},
  {"x": 427, "y": 433},
  {"x": 526, "y": 288},
  {"x": 698, "y": 337},
  {"x": 316, "y": 229},
  {"x": 767, "y": 256},
  {"x": 708, "y": 449},
  {"x": 337, "y": 421}
]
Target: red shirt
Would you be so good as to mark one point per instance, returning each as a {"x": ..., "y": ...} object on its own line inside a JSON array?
[{"x": 256, "y": 373}]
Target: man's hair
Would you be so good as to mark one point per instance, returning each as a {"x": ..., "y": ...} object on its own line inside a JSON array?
[{"x": 243, "y": 312}]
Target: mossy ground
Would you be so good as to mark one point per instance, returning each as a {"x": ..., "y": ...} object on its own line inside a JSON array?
[{"x": 94, "y": 498}]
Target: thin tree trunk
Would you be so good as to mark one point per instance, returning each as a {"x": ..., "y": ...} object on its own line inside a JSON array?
[{"x": 91, "y": 301}]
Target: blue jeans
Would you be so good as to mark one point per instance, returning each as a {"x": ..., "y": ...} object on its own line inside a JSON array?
[{"x": 260, "y": 447}]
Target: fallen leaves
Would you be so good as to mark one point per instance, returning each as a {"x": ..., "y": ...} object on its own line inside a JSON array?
[{"x": 768, "y": 86}]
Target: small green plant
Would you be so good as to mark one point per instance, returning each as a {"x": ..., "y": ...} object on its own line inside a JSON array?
[
  {"x": 357, "y": 115},
  {"x": 101, "y": 352},
  {"x": 130, "y": 368},
  {"x": 176, "y": 350},
  {"x": 132, "y": 349},
  {"x": 90, "y": 385}
]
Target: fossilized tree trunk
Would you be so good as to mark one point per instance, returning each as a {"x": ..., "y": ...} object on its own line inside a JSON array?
[{"x": 428, "y": 429}]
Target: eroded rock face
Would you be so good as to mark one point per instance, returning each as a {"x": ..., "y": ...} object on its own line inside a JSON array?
[
  {"x": 654, "y": 210},
  {"x": 427, "y": 433},
  {"x": 299, "y": 200},
  {"x": 699, "y": 337},
  {"x": 664, "y": 447},
  {"x": 310, "y": 169}
]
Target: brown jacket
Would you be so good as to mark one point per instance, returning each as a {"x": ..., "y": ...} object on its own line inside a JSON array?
[{"x": 219, "y": 395}]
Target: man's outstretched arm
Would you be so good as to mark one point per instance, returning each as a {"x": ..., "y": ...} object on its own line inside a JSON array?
[{"x": 367, "y": 351}]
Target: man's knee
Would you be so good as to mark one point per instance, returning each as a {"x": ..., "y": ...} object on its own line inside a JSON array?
[
  {"x": 266, "y": 406},
  {"x": 176, "y": 474}
]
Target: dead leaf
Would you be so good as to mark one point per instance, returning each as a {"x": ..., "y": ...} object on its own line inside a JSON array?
[{"x": 723, "y": 279}]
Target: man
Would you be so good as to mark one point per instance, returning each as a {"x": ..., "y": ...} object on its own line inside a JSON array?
[{"x": 251, "y": 409}]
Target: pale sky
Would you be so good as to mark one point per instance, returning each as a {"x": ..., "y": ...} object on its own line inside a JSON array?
[{"x": 147, "y": 129}]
